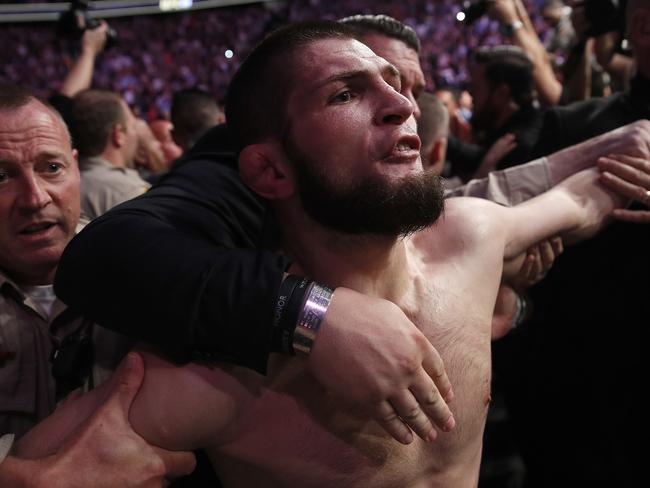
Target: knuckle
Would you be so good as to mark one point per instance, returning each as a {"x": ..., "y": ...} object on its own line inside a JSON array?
[
  {"x": 432, "y": 400},
  {"x": 409, "y": 366},
  {"x": 412, "y": 414},
  {"x": 388, "y": 416}
]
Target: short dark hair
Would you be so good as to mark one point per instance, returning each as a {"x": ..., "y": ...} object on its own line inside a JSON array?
[
  {"x": 193, "y": 112},
  {"x": 509, "y": 65},
  {"x": 384, "y": 25},
  {"x": 259, "y": 90},
  {"x": 93, "y": 116},
  {"x": 13, "y": 97}
]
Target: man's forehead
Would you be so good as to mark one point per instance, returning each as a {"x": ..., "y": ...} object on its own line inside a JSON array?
[
  {"x": 31, "y": 123},
  {"x": 393, "y": 50},
  {"x": 322, "y": 59}
]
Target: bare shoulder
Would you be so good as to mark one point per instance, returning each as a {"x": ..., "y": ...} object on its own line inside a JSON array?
[{"x": 466, "y": 222}]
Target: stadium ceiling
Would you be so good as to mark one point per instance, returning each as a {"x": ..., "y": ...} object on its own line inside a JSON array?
[{"x": 49, "y": 12}]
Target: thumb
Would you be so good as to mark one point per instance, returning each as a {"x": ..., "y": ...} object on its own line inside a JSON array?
[
  {"x": 177, "y": 463},
  {"x": 126, "y": 381}
]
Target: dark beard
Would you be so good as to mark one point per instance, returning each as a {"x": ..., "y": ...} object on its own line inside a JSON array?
[{"x": 376, "y": 206}]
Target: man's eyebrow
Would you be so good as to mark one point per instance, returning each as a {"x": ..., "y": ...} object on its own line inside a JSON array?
[
  {"x": 45, "y": 155},
  {"x": 388, "y": 71}
]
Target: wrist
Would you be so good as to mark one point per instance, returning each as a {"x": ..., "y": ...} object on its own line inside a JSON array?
[
  {"x": 313, "y": 312},
  {"x": 300, "y": 308},
  {"x": 508, "y": 28}
]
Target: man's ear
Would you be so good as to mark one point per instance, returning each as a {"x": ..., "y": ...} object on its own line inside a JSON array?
[
  {"x": 265, "y": 171},
  {"x": 437, "y": 156},
  {"x": 118, "y": 135}
]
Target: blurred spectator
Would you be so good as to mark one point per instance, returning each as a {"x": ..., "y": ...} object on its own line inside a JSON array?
[
  {"x": 561, "y": 35},
  {"x": 193, "y": 112},
  {"x": 517, "y": 26},
  {"x": 149, "y": 158},
  {"x": 433, "y": 128},
  {"x": 105, "y": 134},
  {"x": 465, "y": 105},
  {"x": 459, "y": 126},
  {"x": 504, "y": 101},
  {"x": 505, "y": 119},
  {"x": 162, "y": 131}
]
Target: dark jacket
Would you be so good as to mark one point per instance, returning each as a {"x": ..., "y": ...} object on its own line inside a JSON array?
[
  {"x": 180, "y": 265},
  {"x": 575, "y": 376}
]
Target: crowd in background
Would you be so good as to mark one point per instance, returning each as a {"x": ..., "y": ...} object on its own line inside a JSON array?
[{"x": 158, "y": 55}]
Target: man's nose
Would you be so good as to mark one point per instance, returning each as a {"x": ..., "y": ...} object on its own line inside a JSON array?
[
  {"x": 33, "y": 193},
  {"x": 396, "y": 108}
]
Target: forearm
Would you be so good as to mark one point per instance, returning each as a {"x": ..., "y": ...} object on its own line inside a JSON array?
[
  {"x": 573, "y": 159},
  {"x": 548, "y": 87},
  {"x": 592, "y": 204},
  {"x": 80, "y": 75}
]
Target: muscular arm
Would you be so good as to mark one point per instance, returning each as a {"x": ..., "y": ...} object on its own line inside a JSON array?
[{"x": 176, "y": 408}]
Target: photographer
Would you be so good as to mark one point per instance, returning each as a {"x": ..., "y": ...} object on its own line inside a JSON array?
[
  {"x": 517, "y": 26},
  {"x": 93, "y": 37}
]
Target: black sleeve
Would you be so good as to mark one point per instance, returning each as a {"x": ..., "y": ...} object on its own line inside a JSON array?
[
  {"x": 550, "y": 137},
  {"x": 181, "y": 267},
  {"x": 465, "y": 157}
]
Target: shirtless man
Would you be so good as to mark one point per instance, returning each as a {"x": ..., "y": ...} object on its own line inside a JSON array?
[{"x": 337, "y": 153}]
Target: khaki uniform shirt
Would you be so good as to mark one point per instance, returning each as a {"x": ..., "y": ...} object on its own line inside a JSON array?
[
  {"x": 27, "y": 387},
  {"x": 104, "y": 185},
  {"x": 510, "y": 186}
]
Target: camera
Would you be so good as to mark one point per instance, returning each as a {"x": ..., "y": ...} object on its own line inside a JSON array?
[
  {"x": 473, "y": 10},
  {"x": 75, "y": 21}
]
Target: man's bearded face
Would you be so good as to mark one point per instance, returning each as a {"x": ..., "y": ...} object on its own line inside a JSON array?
[{"x": 374, "y": 206}]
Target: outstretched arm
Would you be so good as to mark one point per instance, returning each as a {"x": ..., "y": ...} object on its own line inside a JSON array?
[
  {"x": 628, "y": 176},
  {"x": 520, "y": 183},
  {"x": 576, "y": 208}
]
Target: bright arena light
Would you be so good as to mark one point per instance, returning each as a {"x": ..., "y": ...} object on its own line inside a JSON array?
[
  {"x": 167, "y": 5},
  {"x": 228, "y": 54},
  {"x": 460, "y": 16}
]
